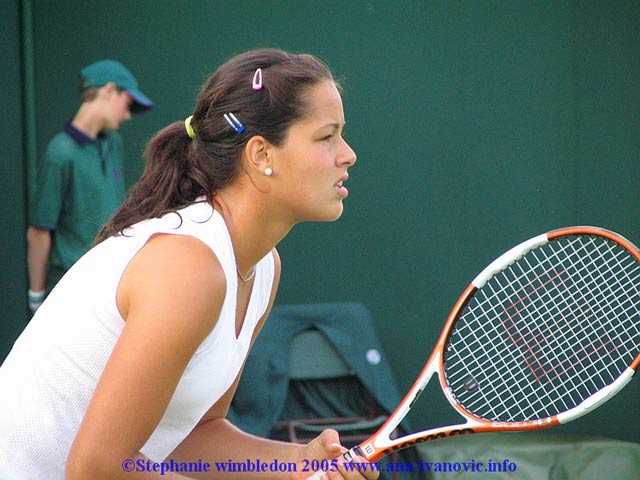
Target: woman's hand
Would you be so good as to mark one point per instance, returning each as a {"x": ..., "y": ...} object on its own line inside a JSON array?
[{"x": 326, "y": 446}]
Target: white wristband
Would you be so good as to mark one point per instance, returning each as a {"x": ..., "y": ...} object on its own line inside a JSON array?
[
  {"x": 36, "y": 299},
  {"x": 36, "y": 295}
]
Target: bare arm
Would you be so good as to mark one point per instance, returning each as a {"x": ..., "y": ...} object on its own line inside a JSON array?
[
  {"x": 38, "y": 249},
  {"x": 215, "y": 439},
  {"x": 170, "y": 295},
  {"x": 170, "y": 303}
]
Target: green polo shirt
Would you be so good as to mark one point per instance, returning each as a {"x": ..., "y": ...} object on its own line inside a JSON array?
[{"x": 80, "y": 185}]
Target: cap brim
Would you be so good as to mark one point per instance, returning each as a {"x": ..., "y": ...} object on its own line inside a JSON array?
[{"x": 141, "y": 103}]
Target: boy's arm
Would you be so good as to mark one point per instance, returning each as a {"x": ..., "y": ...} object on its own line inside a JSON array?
[{"x": 38, "y": 249}]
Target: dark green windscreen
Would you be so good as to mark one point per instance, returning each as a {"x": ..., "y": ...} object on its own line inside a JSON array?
[
  {"x": 13, "y": 276},
  {"x": 477, "y": 125}
]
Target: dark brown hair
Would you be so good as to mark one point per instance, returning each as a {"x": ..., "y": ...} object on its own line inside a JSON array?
[
  {"x": 88, "y": 94},
  {"x": 178, "y": 169}
]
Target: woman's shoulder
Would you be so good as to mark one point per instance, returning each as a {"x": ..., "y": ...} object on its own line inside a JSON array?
[
  {"x": 177, "y": 271},
  {"x": 179, "y": 254}
]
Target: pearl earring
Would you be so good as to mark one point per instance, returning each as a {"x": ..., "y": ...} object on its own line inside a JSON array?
[{"x": 268, "y": 171}]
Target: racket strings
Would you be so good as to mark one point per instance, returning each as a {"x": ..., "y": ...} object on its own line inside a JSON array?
[
  {"x": 602, "y": 295},
  {"x": 547, "y": 332},
  {"x": 561, "y": 367},
  {"x": 521, "y": 412},
  {"x": 595, "y": 348},
  {"x": 534, "y": 335}
]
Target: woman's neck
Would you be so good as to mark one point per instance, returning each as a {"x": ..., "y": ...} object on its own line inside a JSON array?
[{"x": 254, "y": 231}]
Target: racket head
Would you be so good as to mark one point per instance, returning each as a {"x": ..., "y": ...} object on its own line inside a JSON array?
[
  {"x": 490, "y": 366},
  {"x": 546, "y": 332}
]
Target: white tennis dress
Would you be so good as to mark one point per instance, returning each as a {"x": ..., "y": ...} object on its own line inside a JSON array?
[{"x": 48, "y": 378}]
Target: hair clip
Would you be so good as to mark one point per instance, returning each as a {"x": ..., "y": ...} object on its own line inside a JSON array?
[
  {"x": 257, "y": 79},
  {"x": 234, "y": 122}
]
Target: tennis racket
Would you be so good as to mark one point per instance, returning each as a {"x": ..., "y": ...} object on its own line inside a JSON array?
[{"x": 543, "y": 335}]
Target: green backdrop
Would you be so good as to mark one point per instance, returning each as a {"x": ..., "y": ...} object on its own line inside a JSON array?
[
  {"x": 477, "y": 125},
  {"x": 13, "y": 283}
]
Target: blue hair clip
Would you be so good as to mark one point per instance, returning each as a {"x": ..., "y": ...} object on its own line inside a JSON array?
[{"x": 234, "y": 122}]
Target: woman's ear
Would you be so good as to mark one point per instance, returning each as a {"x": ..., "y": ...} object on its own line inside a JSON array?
[{"x": 257, "y": 155}]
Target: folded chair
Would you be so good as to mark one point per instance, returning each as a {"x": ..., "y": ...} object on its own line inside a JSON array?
[{"x": 317, "y": 366}]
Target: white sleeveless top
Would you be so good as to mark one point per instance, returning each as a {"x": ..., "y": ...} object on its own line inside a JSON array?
[{"x": 48, "y": 378}]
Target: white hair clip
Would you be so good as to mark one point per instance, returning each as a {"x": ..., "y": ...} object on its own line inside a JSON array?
[{"x": 257, "y": 79}]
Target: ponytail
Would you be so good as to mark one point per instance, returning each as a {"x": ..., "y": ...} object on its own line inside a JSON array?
[{"x": 171, "y": 180}]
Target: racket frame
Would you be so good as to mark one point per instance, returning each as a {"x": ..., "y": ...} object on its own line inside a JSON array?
[{"x": 380, "y": 443}]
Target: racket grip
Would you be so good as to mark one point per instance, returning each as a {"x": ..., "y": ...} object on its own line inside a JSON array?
[{"x": 347, "y": 456}]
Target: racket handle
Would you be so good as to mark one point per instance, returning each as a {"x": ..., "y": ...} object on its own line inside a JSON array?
[{"x": 347, "y": 456}]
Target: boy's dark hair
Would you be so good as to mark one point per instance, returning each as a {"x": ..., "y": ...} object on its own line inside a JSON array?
[{"x": 87, "y": 92}]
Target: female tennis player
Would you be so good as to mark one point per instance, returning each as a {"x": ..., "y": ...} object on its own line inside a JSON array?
[{"x": 128, "y": 368}]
